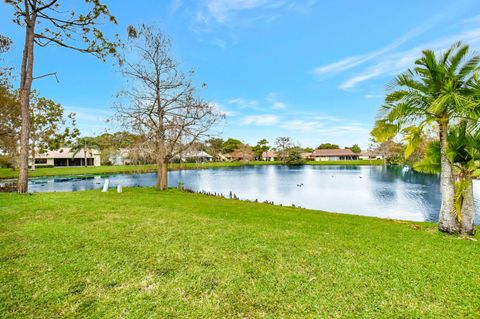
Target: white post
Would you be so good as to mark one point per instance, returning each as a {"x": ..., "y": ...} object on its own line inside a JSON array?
[
  {"x": 105, "y": 186},
  {"x": 119, "y": 188}
]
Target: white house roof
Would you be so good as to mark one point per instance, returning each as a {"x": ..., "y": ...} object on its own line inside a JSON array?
[
  {"x": 196, "y": 154},
  {"x": 66, "y": 152}
]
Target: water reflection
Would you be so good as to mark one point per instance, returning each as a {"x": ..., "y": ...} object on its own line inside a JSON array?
[{"x": 380, "y": 191}]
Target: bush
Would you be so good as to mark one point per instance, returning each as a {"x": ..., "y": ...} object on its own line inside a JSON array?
[
  {"x": 295, "y": 157},
  {"x": 5, "y": 161}
]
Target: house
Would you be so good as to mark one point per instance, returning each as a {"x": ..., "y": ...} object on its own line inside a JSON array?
[
  {"x": 368, "y": 155},
  {"x": 193, "y": 156},
  {"x": 269, "y": 156},
  {"x": 334, "y": 155},
  {"x": 306, "y": 156},
  {"x": 121, "y": 157},
  {"x": 65, "y": 157}
]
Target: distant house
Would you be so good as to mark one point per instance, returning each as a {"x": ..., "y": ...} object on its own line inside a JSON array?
[
  {"x": 306, "y": 156},
  {"x": 65, "y": 157},
  {"x": 193, "y": 156},
  {"x": 368, "y": 155},
  {"x": 137, "y": 155},
  {"x": 121, "y": 157},
  {"x": 334, "y": 155},
  {"x": 269, "y": 156}
]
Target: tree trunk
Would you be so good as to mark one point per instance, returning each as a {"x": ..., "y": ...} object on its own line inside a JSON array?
[
  {"x": 447, "y": 220},
  {"x": 85, "y": 156},
  {"x": 468, "y": 210},
  {"x": 162, "y": 174},
  {"x": 25, "y": 90}
]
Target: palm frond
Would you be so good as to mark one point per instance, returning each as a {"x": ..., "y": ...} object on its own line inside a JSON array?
[
  {"x": 454, "y": 61},
  {"x": 468, "y": 67},
  {"x": 431, "y": 163}
]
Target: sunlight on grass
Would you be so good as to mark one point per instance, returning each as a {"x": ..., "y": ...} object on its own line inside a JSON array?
[{"x": 145, "y": 253}]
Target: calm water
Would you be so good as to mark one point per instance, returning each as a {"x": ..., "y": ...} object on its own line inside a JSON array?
[{"x": 381, "y": 191}]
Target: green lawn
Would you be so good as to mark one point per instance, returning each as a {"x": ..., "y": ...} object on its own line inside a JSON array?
[
  {"x": 60, "y": 171},
  {"x": 143, "y": 254}
]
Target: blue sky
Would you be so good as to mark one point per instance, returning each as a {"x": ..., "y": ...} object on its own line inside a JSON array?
[{"x": 312, "y": 70}]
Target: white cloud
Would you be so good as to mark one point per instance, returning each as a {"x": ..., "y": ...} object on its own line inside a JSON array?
[
  {"x": 244, "y": 103},
  {"x": 325, "y": 126},
  {"x": 353, "y": 61},
  {"x": 351, "y": 82},
  {"x": 221, "y": 10},
  {"x": 397, "y": 62},
  {"x": 275, "y": 103},
  {"x": 229, "y": 11},
  {"x": 339, "y": 66},
  {"x": 175, "y": 5},
  {"x": 221, "y": 109},
  {"x": 327, "y": 118},
  {"x": 91, "y": 120},
  {"x": 89, "y": 114},
  {"x": 260, "y": 120},
  {"x": 472, "y": 20},
  {"x": 302, "y": 125},
  {"x": 279, "y": 105}
]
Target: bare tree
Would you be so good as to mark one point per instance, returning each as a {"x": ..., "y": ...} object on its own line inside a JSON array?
[
  {"x": 283, "y": 144},
  {"x": 160, "y": 101},
  {"x": 50, "y": 23}
]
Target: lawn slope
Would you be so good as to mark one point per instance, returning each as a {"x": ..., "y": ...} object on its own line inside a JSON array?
[{"x": 170, "y": 254}]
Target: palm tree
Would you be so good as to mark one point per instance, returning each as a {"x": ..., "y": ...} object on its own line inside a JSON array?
[
  {"x": 439, "y": 90},
  {"x": 86, "y": 144},
  {"x": 463, "y": 152}
]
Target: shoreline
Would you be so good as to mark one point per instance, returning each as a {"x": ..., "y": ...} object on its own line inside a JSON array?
[{"x": 8, "y": 174}]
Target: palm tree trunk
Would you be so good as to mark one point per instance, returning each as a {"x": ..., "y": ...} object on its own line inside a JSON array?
[
  {"x": 447, "y": 220},
  {"x": 25, "y": 90},
  {"x": 468, "y": 210}
]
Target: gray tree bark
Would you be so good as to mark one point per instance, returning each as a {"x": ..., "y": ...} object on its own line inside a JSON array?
[
  {"x": 468, "y": 211},
  {"x": 447, "y": 220},
  {"x": 162, "y": 175}
]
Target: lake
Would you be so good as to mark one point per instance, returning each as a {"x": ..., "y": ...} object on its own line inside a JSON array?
[{"x": 379, "y": 191}]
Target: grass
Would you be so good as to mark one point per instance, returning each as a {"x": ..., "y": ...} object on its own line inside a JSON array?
[
  {"x": 62, "y": 171},
  {"x": 142, "y": 254}
]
